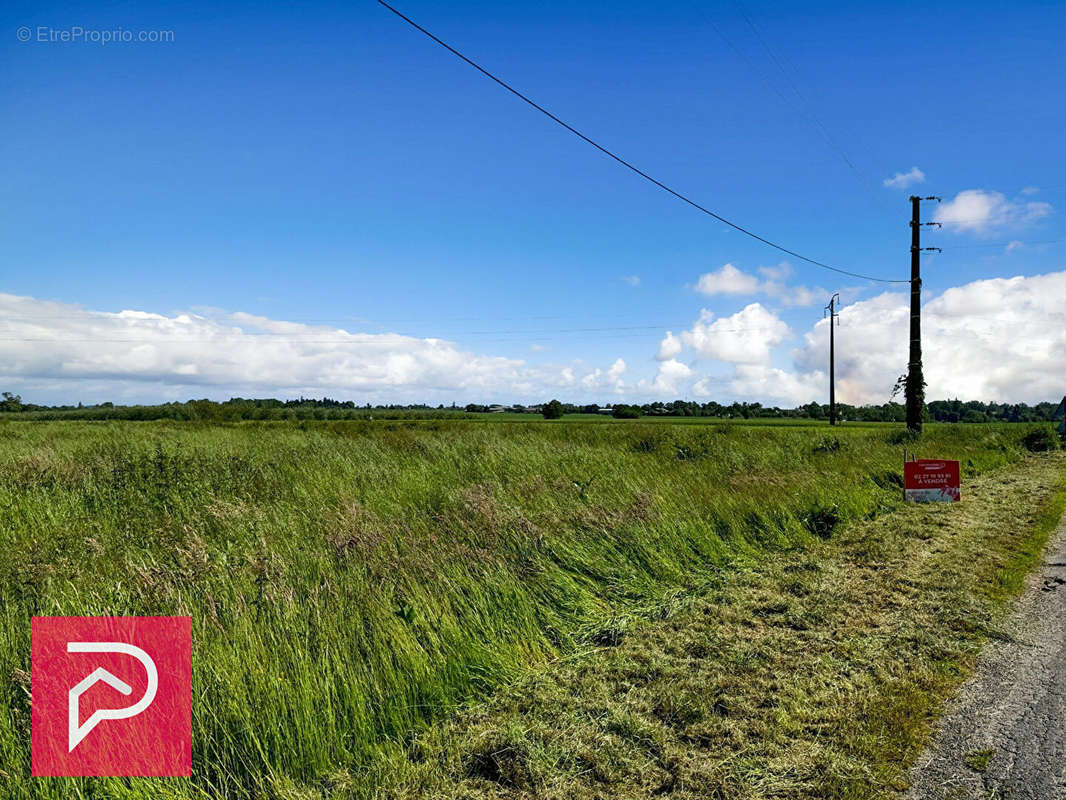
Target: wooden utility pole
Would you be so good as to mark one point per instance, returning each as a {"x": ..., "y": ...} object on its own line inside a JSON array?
[
  {"x": 915, "y": 388},
  {"x": 831, "y": 308},
  {"x": 915, "y": 381}
]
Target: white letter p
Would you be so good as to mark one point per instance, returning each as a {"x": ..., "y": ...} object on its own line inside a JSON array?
[{"x": 76, "y": 732}]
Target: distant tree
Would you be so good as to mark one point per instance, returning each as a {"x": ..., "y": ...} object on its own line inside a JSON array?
[
  {"x": 11, "y": 402},
  {"x": 625, "y": 412},
  {"x": 552, "y": 410},
  {"x": 713, "y": 409}
]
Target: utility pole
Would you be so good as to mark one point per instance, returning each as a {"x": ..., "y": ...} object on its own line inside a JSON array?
[
  {"x": 915, "y": 386},
  {"x": 831, "y": 308}
]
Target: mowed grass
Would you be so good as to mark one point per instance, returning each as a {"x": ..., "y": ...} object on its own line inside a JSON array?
[
  {"x": 351, "y": 582},
  {"x": 815, "y": 672}
]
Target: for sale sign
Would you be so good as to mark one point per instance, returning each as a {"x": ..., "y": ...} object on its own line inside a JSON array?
[{"x": 930, "y": 480}]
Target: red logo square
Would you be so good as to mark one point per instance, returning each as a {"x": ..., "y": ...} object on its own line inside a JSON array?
[{"x": 112, "y": 696}]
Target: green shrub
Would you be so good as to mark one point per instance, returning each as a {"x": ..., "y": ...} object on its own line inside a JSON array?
[
  {"x": 552, "y": 410},
  {"x": 1040, "y": 440}
]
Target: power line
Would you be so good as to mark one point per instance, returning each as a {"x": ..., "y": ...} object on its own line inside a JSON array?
[
  {"x": 988, "y": 218},
  {"x": 774, "y": 88},
  {"x": 805, "y": 106},
  {"x": 625, "y": 163},
  {"x": 1019, "y": 242}
]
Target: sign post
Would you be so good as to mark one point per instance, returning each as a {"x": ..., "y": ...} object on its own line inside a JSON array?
[{"x": 931, "y": 480}]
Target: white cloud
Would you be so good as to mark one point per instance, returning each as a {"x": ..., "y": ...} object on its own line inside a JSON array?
[
  {"x": 632, "y": 280},
  {"x": 775, "y": 286},
  {"x": 610, "y": 380},
  {"x": 778, "y": 386},
  {"x": 668, "y": 347},
  {"x": 802, "y": 296},
  {"x": 707, "y": 387},
  {"x": 1028, "y": 190},
  {"x": 666, "y": 381},
  {"x": 980, "y": 211},
  {"x": 1014, "y": 245},
  {"x": 727, "y": 280},
  {"x": 998, "y": 339},
  {"x": 746, "y": 337},
  {"x": 904, "y": 180},
  {"x": 777, "y": 274},
  {"x": 70, "y": 353},
  {"x": 731, "y": 280}
]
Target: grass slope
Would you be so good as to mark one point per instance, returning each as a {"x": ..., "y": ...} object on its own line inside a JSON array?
[
  {"x": 814, "y": 673},
  {"x": 350, "y": 582}
]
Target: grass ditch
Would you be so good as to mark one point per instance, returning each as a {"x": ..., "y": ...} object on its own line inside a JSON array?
[{"x": 814, "y": 673}]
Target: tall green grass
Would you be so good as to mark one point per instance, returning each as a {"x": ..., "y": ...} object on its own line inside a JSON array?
[{"x": 350, "y": 581}]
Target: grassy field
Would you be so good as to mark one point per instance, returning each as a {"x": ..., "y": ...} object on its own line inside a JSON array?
[{"x": 352, "y": 582}]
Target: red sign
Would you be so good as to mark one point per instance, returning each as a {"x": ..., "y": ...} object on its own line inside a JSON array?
[
  {"x": 112, "y": 696},
  {"x": 930, "y": 480}
]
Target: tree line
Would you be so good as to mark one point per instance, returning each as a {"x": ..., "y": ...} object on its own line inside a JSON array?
[
  {"x": 935, "y": 411},
  {"x": 240, "y": 408}
]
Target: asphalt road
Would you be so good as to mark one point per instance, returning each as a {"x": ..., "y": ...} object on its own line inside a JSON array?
[{"x": 1004, "y": 736}]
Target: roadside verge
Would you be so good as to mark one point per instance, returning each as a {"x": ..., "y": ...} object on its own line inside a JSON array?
[
  {"x": 1004, "y": 733},
  {"x": 816, "y": 672}
]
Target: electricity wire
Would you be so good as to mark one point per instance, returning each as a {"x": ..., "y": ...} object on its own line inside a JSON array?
[{"x": 627, "y": 164}]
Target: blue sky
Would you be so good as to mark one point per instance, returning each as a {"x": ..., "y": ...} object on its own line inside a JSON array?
[{"x": 325, "y": 163}]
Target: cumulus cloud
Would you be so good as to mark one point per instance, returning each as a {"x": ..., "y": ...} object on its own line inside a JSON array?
[
  {"x": 67, "y": 351},
  {"x": 904, "y": 180},
  {"x": 667, "y": 378},
  {"x": 668, "y": 347},
  {"x": 731, "y": 280},
  {"x": 777, "y": 274},
  {"x": 777, "y": 385},
  {"x": 606, "y": 380},
  {"x": 746, "y": 337},
  {"x": 999, "y": 339},
  {"x": 727, "y": 280},
  {"x": 980, "y": 211}
]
